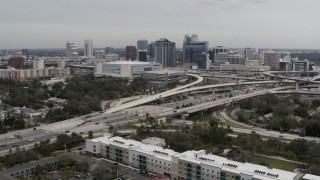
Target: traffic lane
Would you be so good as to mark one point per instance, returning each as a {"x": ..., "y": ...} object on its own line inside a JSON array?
[
  {"x": 25, "y": 142},
  {"x": 10, "y": 138}
]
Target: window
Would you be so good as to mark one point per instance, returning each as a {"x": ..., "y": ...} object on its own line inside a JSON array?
[
  {"x": 212, "y": 171},
  {"x": 94, "y": 146}
]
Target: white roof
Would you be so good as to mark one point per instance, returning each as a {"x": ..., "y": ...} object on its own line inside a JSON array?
[
  {"x": 311, "y": 177},
  {"x": 257, "y": 171},
  {"x": 128, "y": 62}
]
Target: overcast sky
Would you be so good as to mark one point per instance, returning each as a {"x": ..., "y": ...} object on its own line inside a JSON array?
[{"x": 117, "y": 23}]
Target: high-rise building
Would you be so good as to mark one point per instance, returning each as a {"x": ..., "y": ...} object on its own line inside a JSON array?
[
  {"x": 272, "y": 59},
  {"x": 142, "y": 54},
  {"x": 112, "y": 57},
  {"x": 180, "y": 56},
  {"x": 165, "y": 52},
  {"x": 220, "y": 58},
  {"x": 236, "y": 58},
  {"x": 109, "y": 50},
  {"x": 131, "y": 53},
  {"x": 195, "y": 51},
  {"x": 88, "y": 48},
  {"x": 151, "y": 49},
  {"x": 99, "y": 54},
  {"x": 38, "y": 63},
  {"x": 218, "y": 49},
  {"x": 25, "y": 52},
  {"x": 142, "y": 44},
  {"x": 71, "y": 51},
  {"x": 248, "y": 53}
]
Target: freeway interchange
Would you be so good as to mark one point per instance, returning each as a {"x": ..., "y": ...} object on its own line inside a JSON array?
[{"x": 137, "y": 109}]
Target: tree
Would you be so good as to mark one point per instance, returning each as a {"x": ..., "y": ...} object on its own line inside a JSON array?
[
  {"x": 298, "y": 147},
  {"x": 275, "y": 143},
  {"x": 90, "y": 135},
  {"x": 151, "y": 122}
]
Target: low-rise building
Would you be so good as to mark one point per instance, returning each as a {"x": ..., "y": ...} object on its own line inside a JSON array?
[
  {"x": 124, "y": 69},
  {"x": 187, "y": 165}
]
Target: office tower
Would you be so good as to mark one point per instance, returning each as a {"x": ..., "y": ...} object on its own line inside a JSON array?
[
  {"x": 272, "y": 59},
  {"x": 88, "y": 48},
  {"x": 180, "y": 56},
  {"x": 99, "y": 54},
  {"x": 236, "y": 58},
  {"x": 131, "y": 53},
  {"x": 38, "y": 63},
  {"x": 165, "y": 52},
  {"x": 142, "y": 44},
  {"x": 71, "y": 51},
  {"x": 151, "y": 49},
  {"x": 248, "y": 53},
  {"x": 220, "y": 58},
  {"x": 195, "y": 51},
  {"x": 25, "y": 52},
  {"x": 218, "y": 49},
  {"x": 109, "y": 50},
  {"x": 112, "y": 57},
  {"x": 142, "y": 54}
]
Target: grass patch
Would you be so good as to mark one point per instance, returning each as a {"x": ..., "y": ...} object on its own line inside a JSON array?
[
  {"x": 277, "y": 163},
  {"x": 235, "y": 125}
]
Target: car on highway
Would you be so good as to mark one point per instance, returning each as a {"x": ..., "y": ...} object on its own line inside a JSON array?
[
  {"x": 97, "y": 123},
  {"x": 15, "y": 145},
  {"x": 47, "y": 132},
  {"x": 87, "y": 116},
  {"x": 11, "y": 137},
  {"x": 67, "y": 131},
  {"x": 3, "y": 145},
  {"x": 105, "y": 117},
  {"x": 31, "y": 140}
]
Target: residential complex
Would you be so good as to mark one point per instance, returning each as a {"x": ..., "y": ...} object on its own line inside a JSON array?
[{"x": 189, "y": 165}]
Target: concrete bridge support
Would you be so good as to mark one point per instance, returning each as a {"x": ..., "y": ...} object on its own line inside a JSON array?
[
  {"x": 184, "y": 116},
  {"x": 297, "y": 86}
]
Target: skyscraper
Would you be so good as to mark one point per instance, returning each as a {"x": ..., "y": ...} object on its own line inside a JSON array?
[
  {"x": 131, "y": 53},
  {"x": 165, "y": 52},
  {"x": 88, "y": 48},
  {"x": 151, "y": 49},
  {"x": 272, "y": 59},
  {"x": 195, "y": 51},
  {"x": 71, "y": 51},
  {"x": 109, "y": 50},
  {"x": 25, "y": 52},
  {"x": 142, "y": 44},
  {"x": 142, "y": 54}
]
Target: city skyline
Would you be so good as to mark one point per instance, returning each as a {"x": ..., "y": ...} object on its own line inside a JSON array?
[{"x": 231, "y": 23}]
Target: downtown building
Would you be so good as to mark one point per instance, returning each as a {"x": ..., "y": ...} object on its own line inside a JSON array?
[
  {"x": 71, "y": 51},
  {"x": 195, "y": 52},
  {"x": 165, "y": 52},
  {"x": 131, "y": 53},
  {"x": 88, "y": 48},
  {"x": 189, "y": 165},
  {"x": 272, "y": 59}
]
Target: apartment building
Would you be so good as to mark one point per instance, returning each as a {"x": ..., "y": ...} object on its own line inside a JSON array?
[{"x": 189, "y": 165}]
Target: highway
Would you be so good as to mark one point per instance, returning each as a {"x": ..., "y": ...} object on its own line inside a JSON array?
[
  {"x": 122, "y": 113},
  {"x": 175, "y": 92}
]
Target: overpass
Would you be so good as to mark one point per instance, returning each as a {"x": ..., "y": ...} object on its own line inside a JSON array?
[
  {"x": 177, "y": 91},
  {"x": 222, "y": 102},
  {"x": 154, "y": 97}
]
